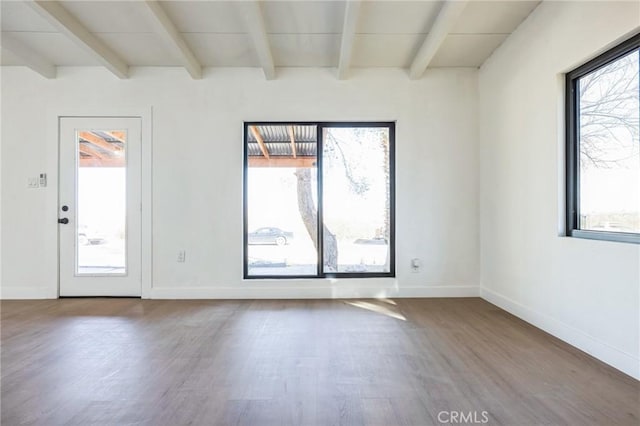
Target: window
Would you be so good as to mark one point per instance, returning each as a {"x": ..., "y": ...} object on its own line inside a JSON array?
[
  {"x": 603, "y": 146},
  {"x": 319, "y": 200}
]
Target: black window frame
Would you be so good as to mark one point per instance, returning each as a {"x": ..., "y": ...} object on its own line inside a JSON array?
[
  {"x": 572, "y": 152},
  {"x": 320, "y": 274}
]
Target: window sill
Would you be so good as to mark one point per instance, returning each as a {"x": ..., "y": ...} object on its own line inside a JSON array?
[
  {"x": 327, "y": 277},
  {"x": 618, "y": 237}
]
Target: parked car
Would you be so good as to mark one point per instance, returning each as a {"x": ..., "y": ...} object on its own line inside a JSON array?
[
  {"x": 270, "y": 235},
  {"x": 88, "y": 236},
  {"x": 611, "y": 227},
  {"x": 374, "y": 241}
]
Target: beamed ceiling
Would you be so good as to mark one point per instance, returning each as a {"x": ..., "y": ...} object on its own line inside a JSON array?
[{"x": 117, "y": 35}]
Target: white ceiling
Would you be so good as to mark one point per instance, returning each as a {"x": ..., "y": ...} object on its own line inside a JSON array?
[{"x": 300, "y": 33}]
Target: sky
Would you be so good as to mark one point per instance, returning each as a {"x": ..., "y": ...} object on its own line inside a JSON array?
[{"x": 611, "y": 186}]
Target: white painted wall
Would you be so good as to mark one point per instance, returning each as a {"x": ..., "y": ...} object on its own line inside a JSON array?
[
  {"x": 585, "y": 292},
  {"x": 197, "y": 172}
]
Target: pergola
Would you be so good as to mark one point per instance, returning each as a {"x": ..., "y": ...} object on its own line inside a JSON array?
[
  {"x": 99, "y": 148},
  {"x": 282, "y": 145}
]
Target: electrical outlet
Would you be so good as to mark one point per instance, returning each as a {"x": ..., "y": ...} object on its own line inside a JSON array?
[
  {"x": 182, "y": 255},
  {"x": 415, "y": 265}
]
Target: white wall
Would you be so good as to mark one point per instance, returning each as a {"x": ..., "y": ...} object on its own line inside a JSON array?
[
  {"x": 197, "y": 172},
  {"x": 585, "y": 292}
]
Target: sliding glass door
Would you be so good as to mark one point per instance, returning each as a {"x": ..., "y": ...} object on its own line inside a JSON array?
[{"x": 318, "y": 200}]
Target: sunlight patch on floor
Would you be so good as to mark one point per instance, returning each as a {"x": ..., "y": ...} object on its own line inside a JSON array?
[{"x": 378, "y": 308}]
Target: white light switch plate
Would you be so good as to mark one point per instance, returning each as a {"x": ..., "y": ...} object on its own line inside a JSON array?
[{"x": 32, "y": 182}]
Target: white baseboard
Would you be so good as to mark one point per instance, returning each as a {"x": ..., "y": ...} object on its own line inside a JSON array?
[
  {"x": 22, "y": 292},
  {"x": 326, "y": 292},
  {"x": 269, "y": 292},
  {"x": 606, "y": 353}
]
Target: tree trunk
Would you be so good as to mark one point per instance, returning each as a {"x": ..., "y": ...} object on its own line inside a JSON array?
[
  {"x": 309, "y": 215},
  {"x": 330, "y": 251}
]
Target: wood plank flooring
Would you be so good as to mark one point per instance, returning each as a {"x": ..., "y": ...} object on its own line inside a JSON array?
[{"x": 309, "y": 362}]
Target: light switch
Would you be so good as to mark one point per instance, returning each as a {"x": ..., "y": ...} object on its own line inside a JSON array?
[{"x": 32, "y": 182}]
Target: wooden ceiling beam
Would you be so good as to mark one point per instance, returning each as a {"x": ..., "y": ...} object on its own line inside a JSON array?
[
  {"x": 351, "y": 13},
  {"x": 292, "y": 136},
  {"x": 166, "y": 29},
  {"x": 87, "y": 149},
  {"x": 301, "y": 162},
  {"x": 68, "y": 25},
  {"x": 98, "y": 141},
  {"x": 255, "y": 23},
  {"x": 256, "y": 134},
  {"x": 119, "y": 136},
  {"x": 28, "y": 56},
  {"x": 447, "y": 17}
]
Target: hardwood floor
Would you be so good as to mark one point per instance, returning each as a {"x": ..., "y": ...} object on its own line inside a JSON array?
[{"x": 320, "y": 362}]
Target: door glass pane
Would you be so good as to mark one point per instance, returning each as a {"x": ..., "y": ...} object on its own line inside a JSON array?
[
  {"x": 356, "y": 199},
  {"x": 101, "y": 202},
  {"x": 610, "y": 147},
  {"x": 281, "y": 200}
]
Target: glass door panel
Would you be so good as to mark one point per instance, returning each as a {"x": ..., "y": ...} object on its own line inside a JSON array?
[
  {"x": 281, "y": 201},
  {"x": 356, "y": 199},
  {"x": 101, "y": 231}
]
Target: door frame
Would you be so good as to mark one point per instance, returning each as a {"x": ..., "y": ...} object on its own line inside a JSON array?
[{"x": 51, "y": 237}]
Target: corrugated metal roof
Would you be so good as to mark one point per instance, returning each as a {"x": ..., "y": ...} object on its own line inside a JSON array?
[
  {"x": 105, "y": 135},
  {"x": 278, "y": 142},
  {"x": 280, "y": 133}
]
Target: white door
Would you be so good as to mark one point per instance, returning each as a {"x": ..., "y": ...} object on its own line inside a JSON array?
[{"x": 99, "y": 206}]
